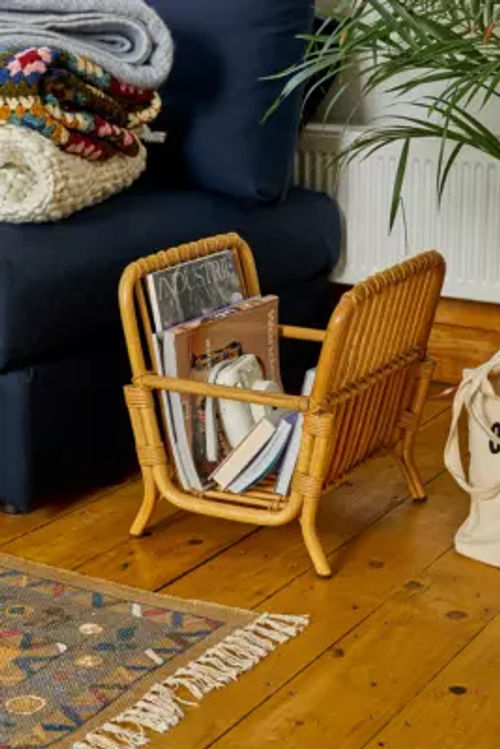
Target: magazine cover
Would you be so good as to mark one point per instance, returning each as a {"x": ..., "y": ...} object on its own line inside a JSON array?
[
  {"x": 194, "y": 288},
  {"x": 191, "y": 351}
]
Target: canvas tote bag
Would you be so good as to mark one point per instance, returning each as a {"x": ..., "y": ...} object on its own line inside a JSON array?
[{"x": 479, "y": 395}]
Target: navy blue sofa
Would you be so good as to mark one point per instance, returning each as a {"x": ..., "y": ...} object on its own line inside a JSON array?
[{"x": 63, "y": 424}]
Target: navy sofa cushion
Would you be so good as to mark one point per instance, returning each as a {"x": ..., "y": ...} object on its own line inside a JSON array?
[
  {"x": 55, "y": 422},
  {"x": 215, "y": 97},
  {"x": 58, "y": 282}
]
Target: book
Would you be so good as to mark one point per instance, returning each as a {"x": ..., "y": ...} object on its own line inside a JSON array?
[
  {"x": 267, "y": 459},
  {"x": 168, "y": 418},
  {"x": 244, "y": 453},
  {"x": 192, "y": 349},
  {"x": 194, "y": 288},
  {"x": 292, "y": 452}
]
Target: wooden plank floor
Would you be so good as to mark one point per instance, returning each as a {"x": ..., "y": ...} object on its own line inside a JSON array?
[{"x": 403, "y": 647}]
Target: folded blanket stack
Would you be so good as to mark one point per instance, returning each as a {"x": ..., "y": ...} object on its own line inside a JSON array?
[
  {"x": 70, "y": 128},
  {"x": 125, "y": 37}
]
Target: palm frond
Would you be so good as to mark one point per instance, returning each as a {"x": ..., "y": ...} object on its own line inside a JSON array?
[{"x": 403, "y": 46}]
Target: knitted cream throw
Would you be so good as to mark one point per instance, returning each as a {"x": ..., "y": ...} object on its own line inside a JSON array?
[{"x": 39, "y": 182}]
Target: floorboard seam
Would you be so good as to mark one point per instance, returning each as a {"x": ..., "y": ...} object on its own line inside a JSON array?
[
  {"x": 160, "y": 588},
  {"x": 325, "y": 650},
  {"x": 69, "y": 511},
  {"x": 430, "y": 680},
  {"x": 349, "y": 540}
]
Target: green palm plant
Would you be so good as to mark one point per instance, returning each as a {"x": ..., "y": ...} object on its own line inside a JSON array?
[{"x": 405, "y": 46}]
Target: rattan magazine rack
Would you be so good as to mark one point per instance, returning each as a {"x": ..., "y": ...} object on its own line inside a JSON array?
[{"x": 371, "y": 385}]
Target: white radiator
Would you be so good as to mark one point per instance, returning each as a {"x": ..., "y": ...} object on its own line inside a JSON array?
[{"x": 466, "y": 228}]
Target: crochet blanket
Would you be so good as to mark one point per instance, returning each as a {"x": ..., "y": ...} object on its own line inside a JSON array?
[
  {"x": 39, "y": 182},
  {"x": 125, "y": 37},
  {"x": 73, "y": 102}
]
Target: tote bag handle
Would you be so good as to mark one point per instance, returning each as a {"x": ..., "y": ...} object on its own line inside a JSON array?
[{"x": 470, "y": 395}]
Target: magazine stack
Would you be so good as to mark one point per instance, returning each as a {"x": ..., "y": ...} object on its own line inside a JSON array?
[{"x": 206, "y": 330}]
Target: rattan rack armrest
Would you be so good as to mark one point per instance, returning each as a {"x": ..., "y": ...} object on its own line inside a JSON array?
[
  {"x": 302, "y": 334},
  {"x": 191, "y": 387}
]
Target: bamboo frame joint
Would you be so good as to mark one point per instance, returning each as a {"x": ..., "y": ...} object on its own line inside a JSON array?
[
  {"x": 138, "y": 397},
  {"x": 426, "y": 368},
  {"x": 408, "y": 420},
  {"x": 307, "y": 485},
  {"x": 319, "y": 424},
  {"x": 150, "y": 456}
]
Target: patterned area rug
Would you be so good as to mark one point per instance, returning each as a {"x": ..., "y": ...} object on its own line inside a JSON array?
[{"x": 95, "y": 665}]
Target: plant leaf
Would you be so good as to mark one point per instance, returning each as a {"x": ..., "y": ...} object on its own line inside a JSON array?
[
  {"x": 444, "y": 178},
  {"x": 398, "y": 182}
]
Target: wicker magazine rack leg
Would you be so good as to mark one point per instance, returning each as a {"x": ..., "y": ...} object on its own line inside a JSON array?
[{"x": 370, "y": 388}]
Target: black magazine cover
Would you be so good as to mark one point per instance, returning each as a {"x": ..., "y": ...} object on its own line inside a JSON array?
[{"x": 194, "y": 288}]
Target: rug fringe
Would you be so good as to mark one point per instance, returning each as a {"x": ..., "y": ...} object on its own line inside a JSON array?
[{"x": 162, "y": 708}]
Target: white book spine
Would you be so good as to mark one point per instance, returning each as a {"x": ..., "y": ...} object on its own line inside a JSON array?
[
  {"x": 265, "y": 461},
  {"x": 290, "y": 460},
  {"x": 244, "y": 453},
  {"x": 154, "y": 302},
  {"x": 186, "y": 455},
  {"x": 168, "y": 418},
  {"x": 288, "y": 465}
]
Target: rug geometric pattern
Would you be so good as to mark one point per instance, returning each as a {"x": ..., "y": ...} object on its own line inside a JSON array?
[{"x": 67, "y": 653}]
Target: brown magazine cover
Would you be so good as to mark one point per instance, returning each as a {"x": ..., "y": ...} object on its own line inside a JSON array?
[{"x": 192, "y": 349}]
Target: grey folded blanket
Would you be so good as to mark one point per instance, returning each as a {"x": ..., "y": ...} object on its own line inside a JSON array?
[{"x": 125, "y": 37}]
